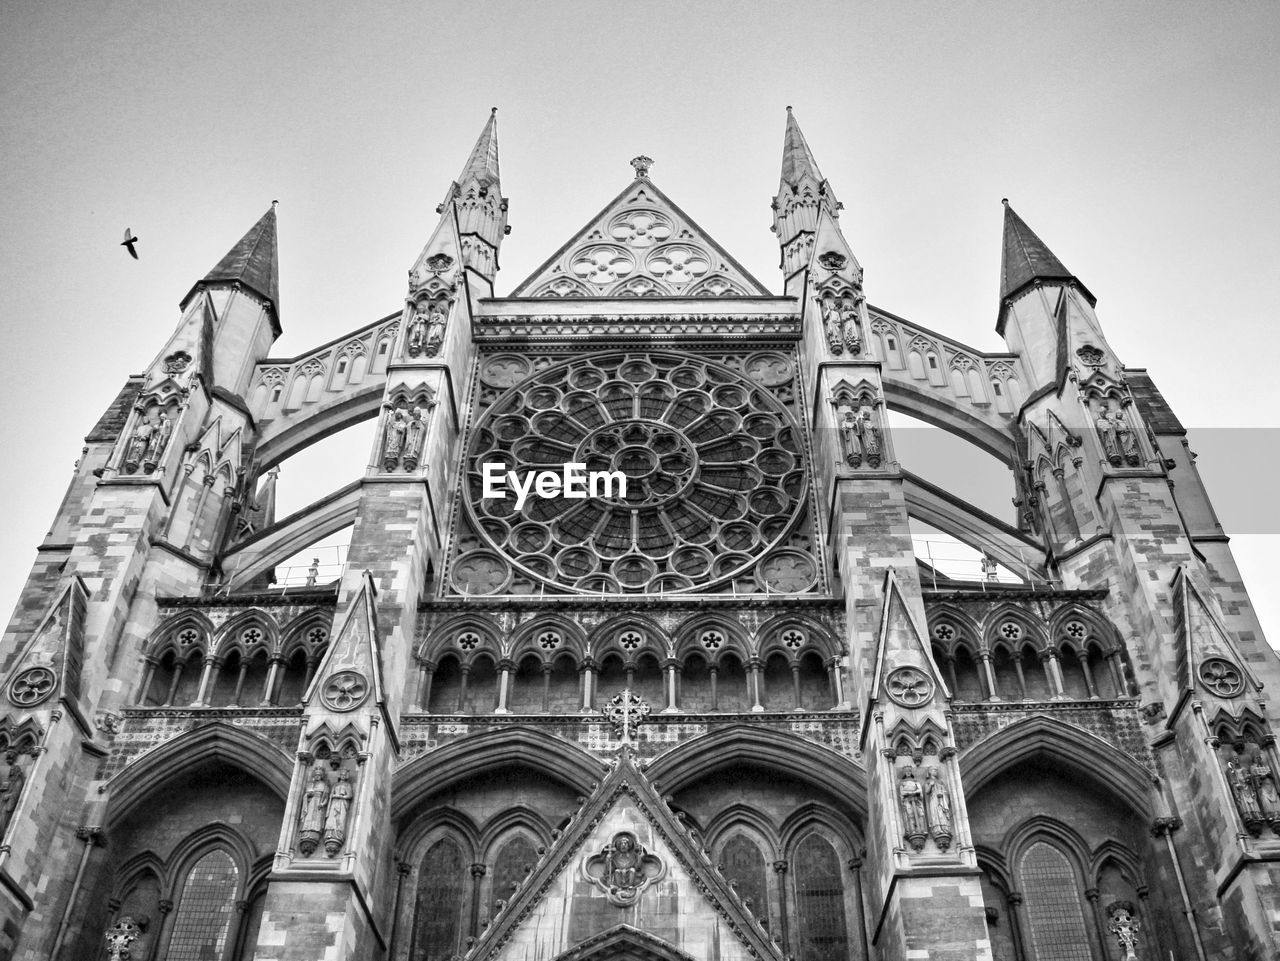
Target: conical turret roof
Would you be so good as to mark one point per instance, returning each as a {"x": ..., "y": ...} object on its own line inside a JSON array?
[
  {"x": 254, "y": 263},
  {"x": 797, "y": 158},
  {"x": 482, "y": 165}
]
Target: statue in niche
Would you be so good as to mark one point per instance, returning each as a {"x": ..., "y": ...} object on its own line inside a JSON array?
[
  {"x": 122, "y": 938},
  {"x": 10, "y": 789},
  {"x": 158, "y": 441},
  {"x": 136, "y": 452},
  {"x": 415, "y": 434},
  {"x": 1126, "y": 439},
  {"x": 435, "y": 329},
  {"x": 939, "y": 800},
  {"x": 911, "y": 798},
  {"x": 1264, "y": 785},
  {"x": 315, "y": 801},
  {"x": 394, "y": 438},
  {"x": 831, "y": 325},
  {"x": 1245, "y": 798},
  {"x": 861, "y": 435},
  {"x": 335, "y": 820},
  {"x": 416, "y": 335},
  {"x": 851, "y": 325}
]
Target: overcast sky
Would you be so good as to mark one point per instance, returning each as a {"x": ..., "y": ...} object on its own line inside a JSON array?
[{"x": 1140, "y": 140}]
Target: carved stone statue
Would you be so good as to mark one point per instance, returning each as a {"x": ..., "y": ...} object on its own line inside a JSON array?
[
  {"x": 831, "y": 326},
  {"x": 1107, "y": 434},
  {"x": 911, "y": 798},
  {"x": 314, "y": 802},
  {"x": 335, "y": 821},
  {"x": 1126, "y": 440},
  {"x": 1264, "y": 785},
  {"x": 939, "y": 800},
  {"x": 851, "y": 326},
  {"x": 1246, "y": 800},
  {"x": 414, "y": 436},
  {"x": 435, "y": 330},
  {"x": 861, "y": 436},
  {"x": 158, "y": 441},
  {"x": 10, "y": 789},
  {"x": 123, "y": 938},
  {"x": 393, "y": 440},
  {"x": 136, "y": 453},
  {"x": 416, "y": 335}
]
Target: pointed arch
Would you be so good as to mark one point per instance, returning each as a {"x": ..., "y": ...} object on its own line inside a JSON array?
[
  {"x": 475, "y": 754},
  {"x": 174, "y": 760},
  {"x": 741, "y": 744},
  {"x": 1075, "y": 750}
]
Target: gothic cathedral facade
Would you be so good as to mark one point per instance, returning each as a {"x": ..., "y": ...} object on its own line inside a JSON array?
[{"x": 727, "y": 714}]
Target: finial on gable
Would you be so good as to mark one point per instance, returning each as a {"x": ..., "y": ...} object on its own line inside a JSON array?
[{"x": 642, "y": 165}]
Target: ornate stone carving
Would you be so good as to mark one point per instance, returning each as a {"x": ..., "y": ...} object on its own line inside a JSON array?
[
  {"x": 909, "y": 686},
  {"x": 831, "y": 325},
  {"x": 335, "y": 819},
  {"x": 911, "y": 801},
  {"x": 1245, "y": 797},
  {"x": 623, "y": 869},
  {"x": 642, "y": 165},
  {"x": 425, "y": 332},
  {"x": 405, "y": 432},
  {"x": 832, "y": 260},
  {"x": 123, "y": 939},
  {"x": 315, "y": 802},
  {"x": 860, "y": 436},
  {"x": 11, "y": 788},
  {"x": 1119, "y": 442},
  {"x": 626, "y": 711},
  {"x": 939, "y": 805},
  {"x": 1221, "y": 677},
  {"x": 1124, "y": 924},
  {"x": 149, "y": 439},
  {"x": 177, "y": 362},
  {"x": 1091, "y": 356},
  {"x": 345, "y": 691},
  {"x": 438, "y": 263},
  {"x": 788, "y": 572},
  {"x": 32, "y": 686},
  {"x": 851, "y": 326},
  {"x": 1264, "y": 785}
]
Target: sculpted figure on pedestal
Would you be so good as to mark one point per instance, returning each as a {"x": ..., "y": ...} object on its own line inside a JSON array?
[
  {"x": 911, "y": 796},
  {"x": 314, "y": 802},
  {"x": 335, "y": 821}
]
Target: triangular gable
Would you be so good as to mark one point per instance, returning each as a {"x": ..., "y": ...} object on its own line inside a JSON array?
[
  {"x": 901, "y": 644},
  {"x": 641, "y": 245},
  {"x": 678, "y": 898},
  {"x": 1204, "y": 637},
  {"x": 50, "y": 665},
  {"x": 354, "y": 661}
]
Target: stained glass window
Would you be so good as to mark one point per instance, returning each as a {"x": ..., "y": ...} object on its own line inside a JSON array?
[
  {"x": 437, "y": 924},
  {"x": 206, "y": 910},
  {"x": 1054, "y": 909},
  {"x": 743, "y": 864},
  {"x": 512, "y": 862},
  {"x": 824, "y": 933}
]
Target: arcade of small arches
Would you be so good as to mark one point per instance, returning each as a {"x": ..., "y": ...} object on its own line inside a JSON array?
[
  {"x": 250, "y": 661},
  {"x": 1009, "y": 656},
  {"x": 553, "y": 668}
]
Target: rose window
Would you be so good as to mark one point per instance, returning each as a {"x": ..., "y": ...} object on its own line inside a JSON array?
[
  {"x": 468, "y": 641},
  {"x": 630, "y": 640},
  {"x": 944, "y": 632},
  {"x": 188, "y": 637},
  {"x": 794, "y": 640},
  {"x": 711, "y": 640},
  {"x": 714, "y": 479},
  {"x": 1076, "y": 630},
  {"x": 548, "y": 640},
  {"x": 640, "y": 228},
  {"x": 678, "y": 263},
  {"x": 602, "y": 264},
  {"x": 1010, "y": 631},
  {"x": 318, "y": 635}
]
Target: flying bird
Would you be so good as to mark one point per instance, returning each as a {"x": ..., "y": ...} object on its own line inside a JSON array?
[{"x": 129, "y": 241}]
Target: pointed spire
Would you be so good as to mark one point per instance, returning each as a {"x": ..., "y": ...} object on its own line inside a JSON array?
[
  {"x": 1026, "y": 258},
  {"x": 797, "y": 158},
  {"x": 253, "y": 263},
  {"x": 482, "y": 165}
]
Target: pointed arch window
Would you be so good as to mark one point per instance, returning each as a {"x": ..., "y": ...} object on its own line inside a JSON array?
[
  {"x": 824, "y": 930},
  {"x": 437, "y": 922},
  {"x": 206, "y": 909},
  {"x": 1054, "y": 906},
  {"x": 743, "y": 864},
  {"x": 513, "y": 861}
]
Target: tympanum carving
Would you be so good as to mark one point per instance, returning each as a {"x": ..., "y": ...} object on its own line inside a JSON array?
[{"x": 623, "y": 869}]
